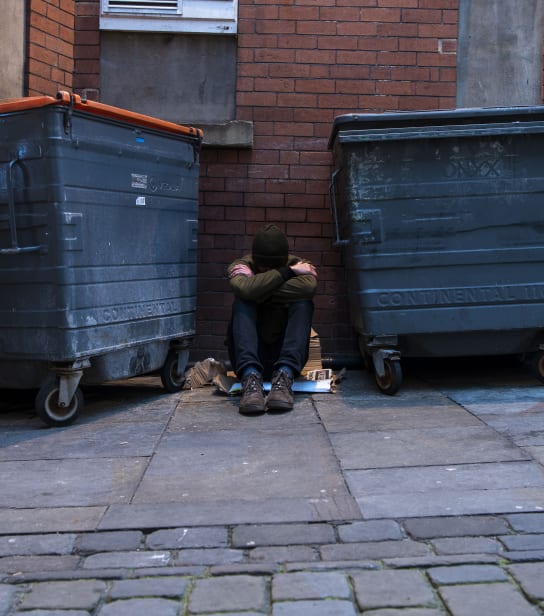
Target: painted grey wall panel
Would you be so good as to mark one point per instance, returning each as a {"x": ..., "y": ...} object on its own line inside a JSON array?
[
  {"x": 189, "y": 79},
  {"x": 499, "y": 53}
]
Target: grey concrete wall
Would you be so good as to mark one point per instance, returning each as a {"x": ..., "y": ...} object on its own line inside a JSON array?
[
  {"x": 12, "y": 36},
  {"x": 189, "y": 79},
  {"x": 499, "y": 53}
]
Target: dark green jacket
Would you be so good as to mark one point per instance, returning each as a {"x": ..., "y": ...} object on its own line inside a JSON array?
[{"x": 272, "y": 291}]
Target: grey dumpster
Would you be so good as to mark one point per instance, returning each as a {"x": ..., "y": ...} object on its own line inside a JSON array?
[
  {"x": 98, "y": 231},
  {"x": 441, "y": 219}
]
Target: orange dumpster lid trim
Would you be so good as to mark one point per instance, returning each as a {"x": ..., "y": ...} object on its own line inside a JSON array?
[{"x": 100, "y": 109}]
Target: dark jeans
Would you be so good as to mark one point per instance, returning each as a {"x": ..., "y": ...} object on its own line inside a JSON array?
[{"x": 247, "y": 349}]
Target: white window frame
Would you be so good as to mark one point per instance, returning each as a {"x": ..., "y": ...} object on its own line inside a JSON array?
[{"x": 194, "y": 16}]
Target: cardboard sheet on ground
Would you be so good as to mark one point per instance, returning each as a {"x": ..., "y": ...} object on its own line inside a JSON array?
[
  {"x": 324, "y": 386},
  {"x": 213, "y": 372}
]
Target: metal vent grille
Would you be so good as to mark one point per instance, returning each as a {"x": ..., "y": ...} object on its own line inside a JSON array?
[{"x": 143, "y": 5}]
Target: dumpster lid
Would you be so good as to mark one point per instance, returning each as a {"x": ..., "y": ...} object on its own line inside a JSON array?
[
  {"x": 420, "y": 123},
  {"x": 100, "y": 109}
]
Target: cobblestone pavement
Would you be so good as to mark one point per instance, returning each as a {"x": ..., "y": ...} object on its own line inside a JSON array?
[{"x": 427, "y": 503}]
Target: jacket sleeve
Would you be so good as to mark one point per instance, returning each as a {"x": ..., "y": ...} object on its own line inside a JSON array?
[
  {"x": 256, "y": 288},
  {"x": 297, "y": 288},
  {"x": 277, "y": 285}
]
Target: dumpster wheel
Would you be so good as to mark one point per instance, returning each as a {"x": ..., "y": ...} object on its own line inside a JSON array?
[
  {"x": 172, "y": 377},
  {"x": 391, "y": 380},
  {"x": 537, "y": 365},
  {"x": 48, "y": 408}
]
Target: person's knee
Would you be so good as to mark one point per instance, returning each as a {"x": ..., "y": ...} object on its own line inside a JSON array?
[
  {"x": 303, "y": 307},
  {"x": 241, "y": 308}
]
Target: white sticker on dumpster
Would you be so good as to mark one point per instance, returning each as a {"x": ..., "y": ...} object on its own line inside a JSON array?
[
  {"x": 139, "y": 180},
  {"x": 140, "y": 200}
]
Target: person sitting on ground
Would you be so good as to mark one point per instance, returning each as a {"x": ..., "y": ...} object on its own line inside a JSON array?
[{"x": 269, "y": 330}]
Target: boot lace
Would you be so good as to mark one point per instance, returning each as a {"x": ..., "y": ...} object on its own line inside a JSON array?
[
  {"x": 252, "y": 383},
  {"x": 281, "y": 382}
]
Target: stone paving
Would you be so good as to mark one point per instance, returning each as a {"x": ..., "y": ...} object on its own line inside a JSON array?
[{"x": 427, "y": 503}]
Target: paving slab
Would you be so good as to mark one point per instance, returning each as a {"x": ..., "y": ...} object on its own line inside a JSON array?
[
  {"x": 69, "y": 482},
  {"x": 489, "y": 476},
  {"x": 171, "y": 586},
  {"x": 80, "y": 594},
  {"x": 537, "y": 453},
  {"x": 386, "y": 589},
  {"x": 438, "y": 560},
  {"x": 220, "y": 412},
  {"x": 267, "y": 510},
  {"x": 228, "y": 594},
  {"x": 209, "y": 556},
  {"x": 241, "y": 464},
  {"x": 370, "y": 530},
  {"x": 514, "y": 408},
  {"x": 530, "y": 576},
  {"x": 8, "y": 594},
  {"x": 127, "y": 404},
  {"x": 127, "y": 560},
  {"x": 467, "y": 545},
  {"x": 374, "y": 550},
  {"x": 407, "y": 611},
  {"x": 459, "y": 489},
  {"x": 446, "y": 503},
  {"x": 328, "y": 607},
  {"x": 11, "y": 545},
  {"x": 525, "y": 429},
  {"x": 523, "y": 542},
  {"x": 50, "y": 519},
  {"x": 486, "y": 600},
  {"x": 425, "y": 447},
  {"x": 360, "y": 385},
  {"x": 478, "y": 525},
  {"x": 306, "y": 585},
  {"x": 282, "y": 534},
  {"x": 85, "y": 440},
  {"x": 15, "y": 565},
  {"x": 176, "y": 538},
  {"x": 465, "y": 574},
  {"x": 283, "y": 554},
  {"x": 341, "y": 414},
  {"x": 527, "y": 522},
  {"x": 140, "y": 607},
  {"x": 103, "y": 542},
  {"x": 493, "y": 398},
  {"x": 525, "y": 556}
]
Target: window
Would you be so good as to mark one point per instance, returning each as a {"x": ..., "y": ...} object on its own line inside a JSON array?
[{"x": 195, "y": 16}]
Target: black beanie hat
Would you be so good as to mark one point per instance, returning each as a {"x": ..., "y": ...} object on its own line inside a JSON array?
[{"x": 270, "y": 247}]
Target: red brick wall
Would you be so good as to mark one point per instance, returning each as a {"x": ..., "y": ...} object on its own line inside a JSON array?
[
  {"x": 299, "y": 65},
  {"x": 87, "y": 51},
  {"x": 50, "y": 52}
]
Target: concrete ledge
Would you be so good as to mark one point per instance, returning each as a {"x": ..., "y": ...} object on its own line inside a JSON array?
[{"x": 233, "y": 134}]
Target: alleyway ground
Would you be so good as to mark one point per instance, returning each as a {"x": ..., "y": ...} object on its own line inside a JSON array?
[{"x": 427, "y": 503}]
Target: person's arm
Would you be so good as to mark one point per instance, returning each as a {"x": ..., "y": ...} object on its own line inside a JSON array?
[
  {"x": 251, "y": 286},
  {"x": 303, "y": 286},
  {"x": 297, "y": 280}
]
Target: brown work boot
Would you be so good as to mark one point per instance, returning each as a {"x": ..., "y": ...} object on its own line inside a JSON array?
[
  {"x": 280, "y": 397},
  {"x": 252, "y": 395}
]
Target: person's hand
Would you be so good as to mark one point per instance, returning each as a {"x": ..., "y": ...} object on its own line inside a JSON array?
[
  {"x": 302, "y": 268},
  {"x": 241, "y": 270}
]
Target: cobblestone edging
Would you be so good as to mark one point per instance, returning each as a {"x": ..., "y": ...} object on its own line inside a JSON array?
[{"x": 461, "y": 566}]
